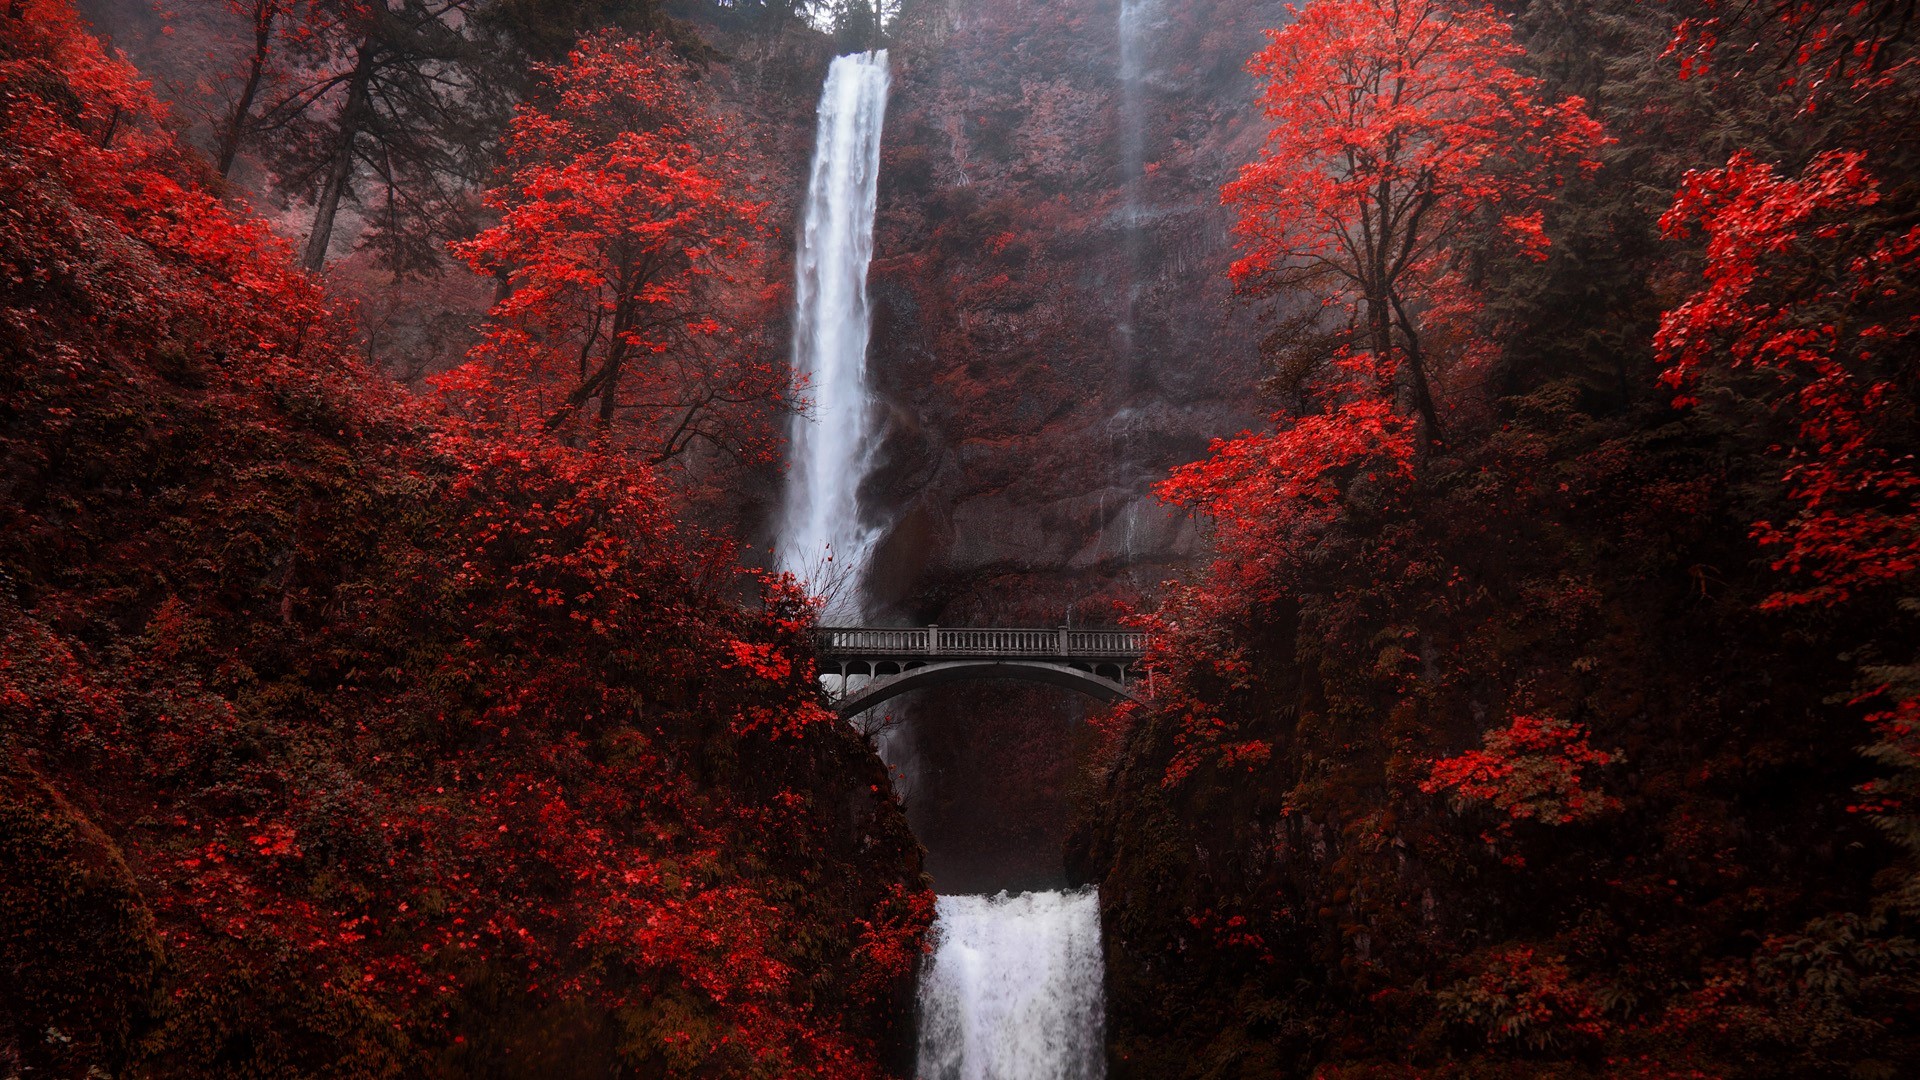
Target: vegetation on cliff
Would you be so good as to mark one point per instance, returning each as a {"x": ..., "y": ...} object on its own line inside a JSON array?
[
  {"x": 341, "y": 737},
  {"x": 1516, "y": 728},
  {"x": 1547, "y": 705}
]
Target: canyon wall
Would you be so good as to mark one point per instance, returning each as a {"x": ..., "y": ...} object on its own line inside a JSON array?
[
  {"x": 1052, "y": 334},
  {"x": 1053, "y": 331}
]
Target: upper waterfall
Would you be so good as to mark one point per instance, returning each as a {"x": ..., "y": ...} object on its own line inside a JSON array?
[{"x": 822, "y": 538}]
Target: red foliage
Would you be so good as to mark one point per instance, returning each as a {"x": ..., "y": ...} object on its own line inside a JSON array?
[
  {"x": 1521, "y": 997},
  {"x": 1805, "y": 287},
  {"x": 1530, "y": 770},
  {"x": 625, "y": 219},
  {"x": 1832, "y": 47},
  {"x": 1269, "y": 498},
  {"x": 1398, "y": 127},
  {"x": 387, "y": 708},
  {"x": 1409, "y": 114},
  {"x": 892, "y": 943},
  {"x": 1268, "y": 495}
]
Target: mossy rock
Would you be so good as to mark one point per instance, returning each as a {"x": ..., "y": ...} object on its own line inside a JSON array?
[
  {"x": 78, "y": 952},
  {"x": 255, "y": 1020}
]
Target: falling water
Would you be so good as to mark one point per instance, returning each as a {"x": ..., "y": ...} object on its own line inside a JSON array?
[
  {"x": 1013, "y": 991},
  {"x": 1132, "y": 131},
  {"x": 1136, "y": 23},
  {"x": 1133, "y": 163},
  {"x": 823, "y": 539}
]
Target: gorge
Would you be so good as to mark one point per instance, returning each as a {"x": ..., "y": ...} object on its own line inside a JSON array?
[{"x": 961, "y": 539}]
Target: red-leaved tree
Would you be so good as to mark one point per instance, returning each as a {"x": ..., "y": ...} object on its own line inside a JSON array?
[
  {"x": 1399, "y": 126},
  {"x": 1808, "y": 292},
  {"x": 625, "y": 221},
  {"x": 1806, "y": 285},
  {"x": 1271, "y": 498},
  {"x": 334, "y": 737}
]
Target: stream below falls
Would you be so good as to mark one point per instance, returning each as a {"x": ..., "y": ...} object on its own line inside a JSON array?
[{"x": 1013, "y": 990}]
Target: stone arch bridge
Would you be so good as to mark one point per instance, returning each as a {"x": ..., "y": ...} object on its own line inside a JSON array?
[{"x": 1100, "y": 663}]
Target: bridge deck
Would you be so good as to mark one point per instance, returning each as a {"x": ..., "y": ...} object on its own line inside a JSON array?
[
  {"x": 928, "y": 643},
  {"x": 1101, "y": 663}
]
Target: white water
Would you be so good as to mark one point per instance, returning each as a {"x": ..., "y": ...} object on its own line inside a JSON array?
[
  {"x": 1013, "y": 991},
  {"x": 823, "y": 539}
]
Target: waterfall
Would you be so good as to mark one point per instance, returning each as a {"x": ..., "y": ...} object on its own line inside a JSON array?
[
  {"x": 1013, "y": 991},
  {"x": 1133, "y": 165},
  {"x": 1132, "y": 135},
  {"x": 1136, "y": 23},
  {"x": 822, "y": 539}
]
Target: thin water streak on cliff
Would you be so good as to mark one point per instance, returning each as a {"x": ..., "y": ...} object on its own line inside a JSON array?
[
  {"x": 1132, "y": 153},
  {"x": 1134, "y": 20}
]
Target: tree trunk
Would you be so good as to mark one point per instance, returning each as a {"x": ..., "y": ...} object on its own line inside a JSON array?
[
  {"x": 1376, "y": 283},
  {"x": 1417, "y": 374},
  {"x": 1383, "y": 301},
  {"x": 603, "y": 382},
  {"x": 263, "y": 13},
  {"x": 340, "y": 171},
  {"x": 1380, "y": 328},
  {"x": 615, "y": 357}
]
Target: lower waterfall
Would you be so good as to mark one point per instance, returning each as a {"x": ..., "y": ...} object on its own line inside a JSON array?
[{"x": 1013, "y": 991}]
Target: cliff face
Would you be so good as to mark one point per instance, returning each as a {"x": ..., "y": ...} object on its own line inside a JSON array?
[
  {"x": 1053, "y": 332},
  {"x": 1053, "y": 329}
]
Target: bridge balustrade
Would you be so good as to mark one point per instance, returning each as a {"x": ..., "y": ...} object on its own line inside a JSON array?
[
  {"x": 1100, "y": 663},
  {"x": 980, "y": 641}
]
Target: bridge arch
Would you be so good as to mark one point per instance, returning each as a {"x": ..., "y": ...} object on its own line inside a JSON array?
[
  {"x": 944, "y": 672},
  {"x": 1097, "y": 662}
]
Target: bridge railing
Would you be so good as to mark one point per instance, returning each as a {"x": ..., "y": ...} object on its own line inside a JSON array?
[
  {"x": 863, "y": 639},
  {"x": 980, "y": 641}
]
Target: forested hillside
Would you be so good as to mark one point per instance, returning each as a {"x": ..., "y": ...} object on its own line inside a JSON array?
[
  {"x": 1546, "y": 708},
  {"x": 349, "y": 735}
]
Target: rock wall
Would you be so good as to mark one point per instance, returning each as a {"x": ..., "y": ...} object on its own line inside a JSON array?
[{"x": 1053, "y": 331}]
